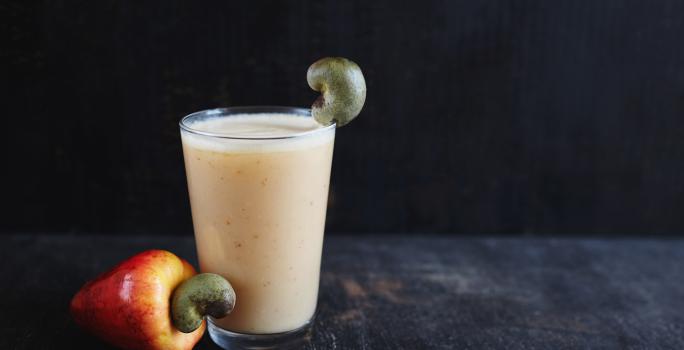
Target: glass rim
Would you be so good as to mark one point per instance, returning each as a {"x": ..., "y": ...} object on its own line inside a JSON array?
[{"x": 227, "y": 111}]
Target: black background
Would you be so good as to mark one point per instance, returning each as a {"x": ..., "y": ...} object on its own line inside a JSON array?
[{"x": 533, "y": 117}]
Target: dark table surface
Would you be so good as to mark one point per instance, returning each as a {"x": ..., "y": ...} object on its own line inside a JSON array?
[{"x": 401, "y": 292}]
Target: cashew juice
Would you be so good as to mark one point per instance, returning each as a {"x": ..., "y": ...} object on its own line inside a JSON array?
[{"x": 258, "y": 198}]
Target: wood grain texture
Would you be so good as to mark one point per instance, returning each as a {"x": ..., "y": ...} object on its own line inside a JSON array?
[
  {"x": 496, "y": 116},
  {"x": 400, "y": 292}
]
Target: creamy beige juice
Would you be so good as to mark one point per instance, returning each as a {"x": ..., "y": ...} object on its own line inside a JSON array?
[{"x": 258, "y": 209}]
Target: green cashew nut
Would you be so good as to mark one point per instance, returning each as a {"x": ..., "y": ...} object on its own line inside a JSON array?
[
  {"x": 199, "y": 296},
  {"x": 342, "y": 88}
]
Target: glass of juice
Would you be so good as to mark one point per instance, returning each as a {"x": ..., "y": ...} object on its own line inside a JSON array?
[{"x": 258, "y": 180}]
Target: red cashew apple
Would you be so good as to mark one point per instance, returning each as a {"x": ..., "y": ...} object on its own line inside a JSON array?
[{"x": 130, "y": 306}]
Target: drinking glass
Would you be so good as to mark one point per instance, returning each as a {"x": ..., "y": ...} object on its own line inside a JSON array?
[{"x": 258, "y": 208}]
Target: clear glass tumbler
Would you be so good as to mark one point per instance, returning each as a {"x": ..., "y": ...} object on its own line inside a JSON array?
[{"x": 258, "y": 189}]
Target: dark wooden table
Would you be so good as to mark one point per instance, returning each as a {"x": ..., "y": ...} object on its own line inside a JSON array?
[{"x": 401, "y": 292}]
